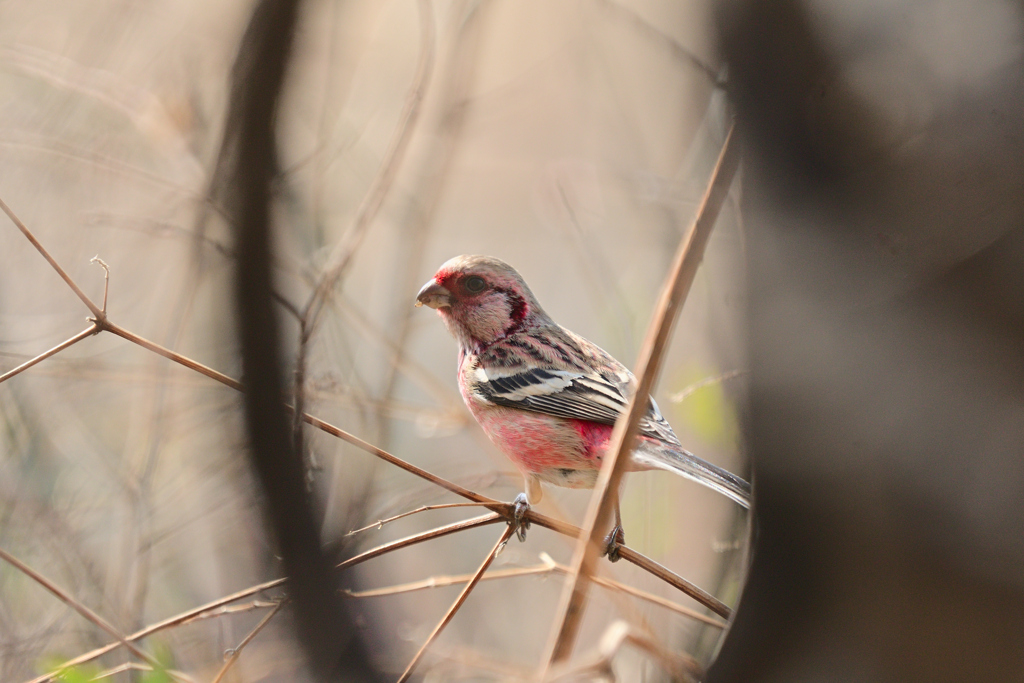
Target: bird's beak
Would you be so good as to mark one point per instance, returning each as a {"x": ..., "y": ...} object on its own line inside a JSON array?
[{"x": 434, "y": 295}]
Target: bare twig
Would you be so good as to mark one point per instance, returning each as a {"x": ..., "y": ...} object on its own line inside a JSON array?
[
  {"x": 346, "y": 247},
  {"x": 53, "y": 263},
  {"x": 74, "y": 604},
  {"x": 473, "y": 523},
  {"x": 237, "y": 652},
  {"x": 171, "y": 355},
  {"x": 106, "y": 279},
  {"x": 423, "y": 508},
  {"x": 87, "y": 332},
  {"x": 673, "y": 579},
  {"x": 130, "y": 666},
  {"x": 680, "y": 667},
  {"x": 177, "y": 620},
  {"x": 687, "y": 260},
  {"x": 688, "y": 391},
  {"x": 548, "y": 566},
  {"x": 507, "y": 534},
  {"x": 650, "y": 30},
  {"x": 202, "y": 611}
]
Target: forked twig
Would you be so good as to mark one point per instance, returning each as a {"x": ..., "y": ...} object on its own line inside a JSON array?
[
  {"x": 71, "y": 602},
  {"x": 237, "y": 652},
  {"x": 507, "y": 534},
  {"x": 677, "y": 286}
]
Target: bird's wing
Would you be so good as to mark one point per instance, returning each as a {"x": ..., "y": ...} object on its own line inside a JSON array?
[{"x": 578, "y": 394}]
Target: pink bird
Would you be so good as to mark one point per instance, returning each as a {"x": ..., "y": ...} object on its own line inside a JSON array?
[{"x": 545, "y": 396}]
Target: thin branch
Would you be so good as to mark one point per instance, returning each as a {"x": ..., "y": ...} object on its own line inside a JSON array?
[
  {"x": 688, "y": 391},
  {"x": 49, "y": 259},
  {"x": 507, "y": 534},
  {"x": 171, "y": 355},
  {"x": 106, "y": 279},
  {"x": 183, "y": 618},
  {"x": 346, "y": 247},
  {"x": 464, "y": 525},
  {"x": 655, "y": 33},
  {"x": 673, "y": 579},
  {"x": 379, "y": 524},
  {"x": 548, "y": 566},
  {"x": 87, "y": 332},
  {"x": 203, "y": 611},
  {"x": 680, "y": 667},
  {"x": 70, "y": 601},
  {"x": 677, "y": 286},
  {"x": 237, "y": 652}
]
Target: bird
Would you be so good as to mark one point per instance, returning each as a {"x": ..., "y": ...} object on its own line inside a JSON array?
[{"x": 545, "y": 396}]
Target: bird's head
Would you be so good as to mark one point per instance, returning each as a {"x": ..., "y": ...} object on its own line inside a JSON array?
[{"x": 481, "y": 300}]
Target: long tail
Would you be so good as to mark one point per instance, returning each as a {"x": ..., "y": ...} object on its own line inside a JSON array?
[{"x": 688, "y": 465}]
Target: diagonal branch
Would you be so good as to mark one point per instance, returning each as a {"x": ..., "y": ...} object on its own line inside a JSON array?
[
  {"x": 202, "y": 610},
  {"x": 237, "y": 652},
  {"x": 379, "y": 524},
  {"x": 71, "y": 602},
  {"x": 677, "y": 286},
  {"x": 96, "y": 311},
  {"x": 507, "y": 534},
  {"x": 87, "y": 332},
  {"x": 343, "y": 251}
]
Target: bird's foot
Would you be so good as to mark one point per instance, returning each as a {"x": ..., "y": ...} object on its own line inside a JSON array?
[
  {"x": 520, "y": 506},
  {"x": 613, "y": 541}
]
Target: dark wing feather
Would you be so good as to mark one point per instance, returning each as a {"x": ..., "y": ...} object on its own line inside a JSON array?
[{"x": 568, "y": 393}]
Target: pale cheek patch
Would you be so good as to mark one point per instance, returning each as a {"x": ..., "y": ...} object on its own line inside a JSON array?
[{"x": 487, "y": 318}]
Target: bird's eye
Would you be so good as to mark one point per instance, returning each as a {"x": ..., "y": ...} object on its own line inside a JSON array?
[{"x": 475, "y": 284}]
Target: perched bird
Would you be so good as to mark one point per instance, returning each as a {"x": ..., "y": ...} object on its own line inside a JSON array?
[{"x": 545, "y": 396}]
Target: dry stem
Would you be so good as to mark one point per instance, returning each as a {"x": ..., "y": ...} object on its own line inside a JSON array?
[
  {"x": 677, "y": 286},
  {"x": 507, "y": 534}
]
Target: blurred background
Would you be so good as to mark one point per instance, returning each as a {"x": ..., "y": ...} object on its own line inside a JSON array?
[{"x": 571, "y": 139}]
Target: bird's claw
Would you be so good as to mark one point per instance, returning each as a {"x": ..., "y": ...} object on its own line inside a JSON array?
[
  {"x": 615, "y": 539},
  {"x": 520, "y": 506}
]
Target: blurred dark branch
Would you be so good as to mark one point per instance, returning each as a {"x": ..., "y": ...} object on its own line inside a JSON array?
[
  {"x": 248, "y": 161},
  {"x": 886, "y": 341}
]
